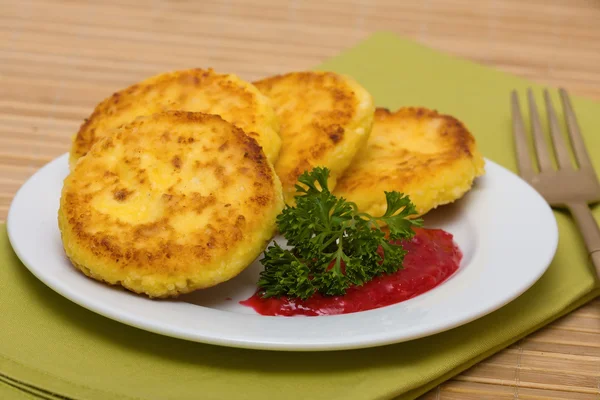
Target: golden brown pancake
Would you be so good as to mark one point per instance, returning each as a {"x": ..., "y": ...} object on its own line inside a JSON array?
[
  {"x": 325, "y": 118},
  {"x": 169, "y": 203},
  {"x": 235, "y": 100},
  {"x": 431, "y": 157}
]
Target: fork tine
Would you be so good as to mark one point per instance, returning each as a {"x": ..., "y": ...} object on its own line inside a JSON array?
[
  {"x": 560, "y": 147},
  {"x": 541, "y": 148},
  {"x": 523, "y": 158},
  {"x": 581, "y": 154}
]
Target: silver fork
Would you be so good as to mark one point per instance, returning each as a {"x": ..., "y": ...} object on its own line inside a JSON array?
[{"x": 567, "y": 186}]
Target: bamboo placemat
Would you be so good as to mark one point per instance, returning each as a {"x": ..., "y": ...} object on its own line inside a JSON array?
[{"x": 58, "y": 58}]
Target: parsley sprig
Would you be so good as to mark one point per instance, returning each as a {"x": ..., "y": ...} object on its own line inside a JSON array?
[{"x": 332, "y": 245}]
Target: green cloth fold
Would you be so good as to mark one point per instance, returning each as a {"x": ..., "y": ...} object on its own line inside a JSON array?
[{"x": 51, "y": 348}]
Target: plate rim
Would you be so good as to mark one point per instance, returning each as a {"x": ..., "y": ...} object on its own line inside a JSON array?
[{"x": 151, "y": 326}]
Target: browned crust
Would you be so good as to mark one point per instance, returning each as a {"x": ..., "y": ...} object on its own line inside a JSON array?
[
  {"x": 453, "y": 129},
  {"x": 154, "y": 246},
  {"x": 121, "y": 101},
  {"x": 327, "y": 126},
  {"x": 455, "y": 141}
]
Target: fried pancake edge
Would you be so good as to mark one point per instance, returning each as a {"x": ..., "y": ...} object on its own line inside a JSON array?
[
  {"x": 337, "y": 147},
  {"x": 168, "y": 269},
  {"x": 440, "y": 185},
  {"x": 264, "y": 119}
]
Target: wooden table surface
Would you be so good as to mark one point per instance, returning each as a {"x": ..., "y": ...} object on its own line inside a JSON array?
[{"x": 59, "y": 58}]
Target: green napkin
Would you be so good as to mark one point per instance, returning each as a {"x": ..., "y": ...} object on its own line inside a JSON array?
[{"x": 52, "y": 348}]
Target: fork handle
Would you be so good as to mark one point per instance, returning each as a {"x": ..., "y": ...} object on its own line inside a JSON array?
[{"x": 589, "y": 230}]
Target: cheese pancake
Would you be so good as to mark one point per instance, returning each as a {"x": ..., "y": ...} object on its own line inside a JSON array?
[
  {"x": 325, "y": 118},
  {"x": 169, "y": 203},
  {"x": 199, "y": 90},
  {"x": 431, "y": 157}
]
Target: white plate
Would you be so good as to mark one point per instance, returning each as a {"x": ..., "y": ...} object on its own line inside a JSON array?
[{"x": 506, "y": 231}]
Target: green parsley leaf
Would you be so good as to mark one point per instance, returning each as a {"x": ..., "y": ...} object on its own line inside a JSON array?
[{"x": 332, "y": 245}]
